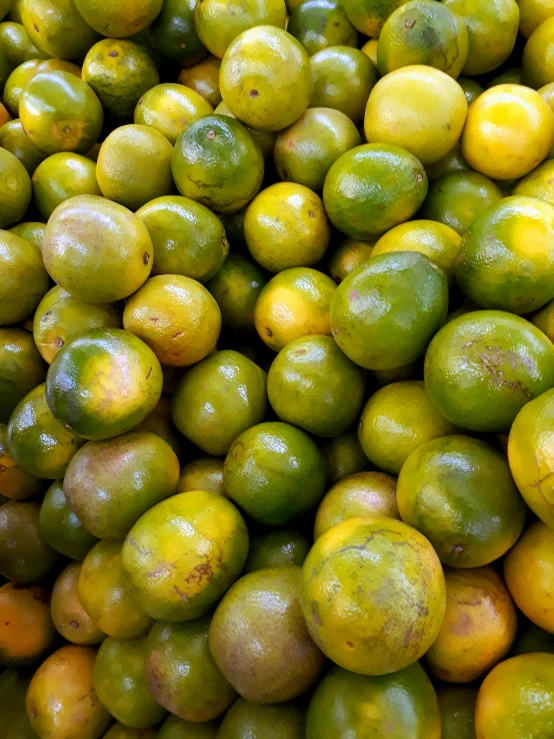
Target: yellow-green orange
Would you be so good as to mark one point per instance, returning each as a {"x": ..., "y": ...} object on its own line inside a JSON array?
[
  {"x": 26, "y": 628},
  {"x": 278, "y": 548},
  {"x": 281, "y": 721},
  {"x": 60, "y": 177},
  {"x": 236, "y": 288},
  {"x": 174, "y": 728},
  {"x": 15, "y": 482},
  {"x": 170, "y": 108},
  {"x": 174, "y": 35},
  {"x": 20, "y": 368},
  {"x": 121, "y": 20},
  {"x": 13, "y": 689},
  {"x": 264, "y": 139},
  {"x": 203, "y": 78},
  {"x": 57, "y": 29},
  {"x": 346, "y": 604},
  {"x": 15, "y": 141},
  {"x": 61, "y": 527},
  {"x": 457, "y": 708},
  {"x": 318, "y": 24},
  {"x": 16, "y": 82},
  {"x": 69, "y": 616},
  {"x": 32, "y": 231},
  {"x": 539, "y": 183},
  {"x": 15, "y": 189},
  {"x": 538, "y": 56},
  {"x": 368, "y": 16},
  {"x": 348, "y": 256},
  {"x": 205, "y": 473},
  {"x": 25, "y": 556}
]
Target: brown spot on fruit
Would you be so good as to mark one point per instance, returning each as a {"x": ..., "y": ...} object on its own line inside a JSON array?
[
  {"x": 254, "y": 93},
  {"x": 269, "y": 332},
  {"x": 113, "y": 53},
  {"x": 74, "y": 624},
  {"x": 146, "y": 257},
  {"x": 211, "y": 134},
  {"x": 59, "y": 342}
]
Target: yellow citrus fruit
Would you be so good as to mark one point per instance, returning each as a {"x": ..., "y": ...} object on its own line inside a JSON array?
[
  {"x": 370, "y": 50},
  {"x": 56, "y": 29},
  {"x": 265, "y": 78},
  {"x": 508, "y": 132},
  {"x": 24, "y": 279},
  {"x": 264, "y": 139},
  {"x": 124, "y": 19},
  {"x": 318, "y": 24},
  {"x": 368, "y": 16},
  {"x": 205, "y": 473},
  {"x": 203, "y": 78},
  {"x": 60, "y": 177},
  {"x": 538, "y": 56},
  {"x": 68, "y": 613},
  {"x": 532, "y": 13},
  {"x": 539, "y": 183},
  {"x": 348, "y": 256},
  {"x": 419, "y": 108},
  {"x": 26, "y": 627},
  {"x": 169, "y": 108}
]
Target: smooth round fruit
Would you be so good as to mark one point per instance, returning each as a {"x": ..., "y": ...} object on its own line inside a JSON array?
[
  {"x": 348, "y": 256},
  {"x": 347, "y": 603},
  {"x": 217, "y": 162},
  {"x": 15, "y": 722},
  {"x": 182, "y": 674},
  {"x": 451, "y": 162},
  {"x": 40, "y": 444},
  {"x": 60, "y": 318},
  {"x": 437, "y": 241},
  {"x": 478, "y": 629},
  {"x": 532, "y": 13},
  {"x": 60, "y": 177},
  {"x": 170, "y": 108},
  {"x": 236, "y": 288},
  {"x": 492, "y": 29},
  {"x": 134, "y": 166},
  {"x": 457, "y": 709},
  {"x": 265, "y": 78},
  {"x": 105, "y": 595},
  {"x": 174, "y": 728},
  {"x": 26, "y": 628},
  {"x": 483, "y": 367},
  {"x": 423, "y": 32},
  {"x": 516, "y": 697},
  {"x": 264, "y": 139},
  {"x": 125, "y": 19},
  {"x": 15, "y": 141},
  {"x": 31, "y": 231},
  {"x": 402, "y": 705},
  {"x": 305, "y": 151},
  {"x": 372, "y": 188},
  {"x": 306, "y": 384},
  {"x": 15, "y": 482},
  {"x": 110, "y": 484},
  {"x": 360, "y": 494},
  {"x": 15, "y": 189},
  {"x": 203, "y": 77},
  {"x": 537, "y": 184},
  {"x": 173, "y": 34},
  {"x": 205, "y": 473},
  {"x": 508, "y": 132},
  {"x": 368, "y": 16},
  {"x": 120, "y": 731},
  {"x": 183, "y": 554},
  {"x": 55, "y": 703},
  {"x": 529, "y": 574},
  {"x": 24, "y": 279},
  {"x": 56, "y": 29},
  {"x": 176, "y": 316},
  {"x": 318, "y": 24},
  {"x": 495, "y": 254},
  {"x": 459, "y": 493},
  {"x": 278, "y": 548},
  {"x": 293, "y": 304},
  {"x": 343, "y": 79},
  {"x": 218, "y": 399},
  {"x": 159, "y": 421},
  {"x": 21, "y": 369},
  {"x": 218, "y": 23},
  {"x": 97, "y": 250},
  {"x": 275, "y": 473},
  {"x": 61, "y": 527},
  {"x": 262, "y": 721},
  {"x": 25, "y": 555},
  {"x": 60, "y": 112},
  {"x": 103, "y": 383},
  {"x": 259, "y": 639},
  {"x": 457, "y": 198},
  {"x": 397, "y": 420},
  {"x": 419, "y": 108},
  {"x": 384, "y": 314},
  {"x": 68, "y": 613},
  {"x": 119, "y": 72},
  {"x": 537, "y": 60}
]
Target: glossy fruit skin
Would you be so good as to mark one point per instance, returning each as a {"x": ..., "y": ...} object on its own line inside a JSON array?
[
  {"x": 368, "y": 16},
  {"x": 40, "y": 444},
  {"x": 536, "y": 61},
  {"x": 384, "y": 314},
  {"x": 31, "y": 231},
  {"x": 345, "y": 605},
  {"x": 458, "y": 492},
  {"x": 457, "y": 708},
  {"x": 69, "y": 616},
  {"x": 318, "y": 24},
  {"x": 203, "y": 78},
  {"x": 24, "y": 278},
  {"x": 277, "y": 548},
  {"x": 96, "y": 364},
  {"x": 120, "y": 731},
  {"x": 343, "y": 79},
  {"x": 21, "y": 369},
  {"x": 15, "y": 482},
  {"x": 14, "y": 139},
  {"x": 13, "y": 688},
  {"x": 516, "y": 697},
  {"x": 211, "y": 555},
  {"x": 188, "y": 238},
  {"x": 170, "y": 108},
  {"x": 259, "y": 639},
  {"x": 217, "y": 162},
  {"x": 57, "y": 29},
  {"x": 53, "y": 704},
  {"x": 173, "y": 34},
  {"x": 537, "y": 183},
  {"x": 356, "y": 199},
  {"x": 265, "y": 78},
  {"x": 218, "y": 399},
  {"x": 457, "y": 198},
  {"x": 495, "y": 255},
  {"x": 188, "y": 319},
  {"x": 349, "y": 255},
  {"x": 236, "y": 288},
  {"x": 264, "y": 139},
  {"x": 403, "y": 704},
  {"x": 104, "y": 593},
  {"x": 305, "y": 151},
  {"x": 492, "y": 28},
  {"x": 61, "y": 527},
  {"x": 306, "y": 382},
  {"x": 205, "y": 473},
  {"x": 105, "y": 253},
  {"x": 274, "y": 472},
  {"x": 218, "y": 24},
  {"x": 478, "y": 629},
  {"x": 26, "y": 628},
  {"x": 60, "y": 177},
  {"x": 121, "y": 21},
  {"x": 60, "y": 318},
  {"x": 60, "y": 112},
  {"x": 280, "y": 721},
  {"x": 502, "y": 379},
  {"x": 182, "y": 674},
  {"x": 110, "y": 484},
  {"x": 420, "y": 33},
  {"x": 16, "y": 45}
]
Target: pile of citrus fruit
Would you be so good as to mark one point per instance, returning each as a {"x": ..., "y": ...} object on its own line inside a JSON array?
[{"x": 277, "y": 369}]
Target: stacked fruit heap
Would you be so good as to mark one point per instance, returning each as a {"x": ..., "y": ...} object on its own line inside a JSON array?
[{"x": 277, "y": 369}]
